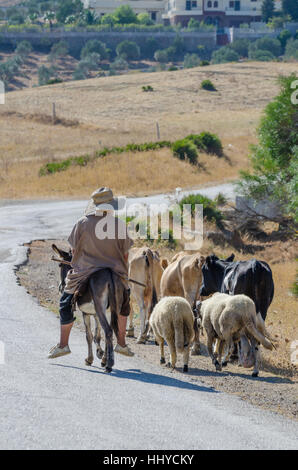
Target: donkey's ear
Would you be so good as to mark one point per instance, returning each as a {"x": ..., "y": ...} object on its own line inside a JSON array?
[
  {"x": 208, "y": 260},
  {"x": 59, "y": 252}
]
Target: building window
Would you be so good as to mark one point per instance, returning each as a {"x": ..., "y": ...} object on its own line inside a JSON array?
[
  {"x": 237, "y": 5},
  {"x": 194, "y": 4},
  {"x": 188, "y": 5},
  {"x": 209, "y": 4},
  {"x": 232, "y": 4},
  {"x": 215, "y": 4},
  {"x": 153, "y": 15}
]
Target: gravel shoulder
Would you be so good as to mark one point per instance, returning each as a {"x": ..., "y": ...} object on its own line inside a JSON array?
[{"x": 275, "y": 390}]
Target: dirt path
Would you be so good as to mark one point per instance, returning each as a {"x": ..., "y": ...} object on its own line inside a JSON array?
[{"x": 273, "y": 391}]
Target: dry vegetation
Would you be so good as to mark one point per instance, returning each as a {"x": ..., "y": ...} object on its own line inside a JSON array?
[{"x": 114, "y": 111}]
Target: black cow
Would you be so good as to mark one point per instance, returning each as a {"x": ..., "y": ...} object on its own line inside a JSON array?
[{"x": 252, "y": 278}]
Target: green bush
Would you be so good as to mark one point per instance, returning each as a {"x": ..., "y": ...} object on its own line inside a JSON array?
[
  {"x": 95, "y": 46},
  {"x": 45, "y": 74},
  {"x": 291, "y": 51},
  {"x": 266, "y": 44},
  {"x": 129, "y": 50},
  {"x": 210, "y": 211},
  {"x": 59, "y": 49},
  {"x": 161, "y": 56},
  {"x": 283, "y": 38},
  {"x": 261, "y": 55},
  {"x": 147, "y": 88},
  {"x": 209, "y": 143},
  {"x": 223, "y": 55},
  {"x": 203, "y": 63},
  {"x": 24, "y": 48},
  {"x": 184, "y": 149},
  {"x": 207, "y": 85},
  {"x": 241, "y": 46},
  {"x": 190, "y": 61}
]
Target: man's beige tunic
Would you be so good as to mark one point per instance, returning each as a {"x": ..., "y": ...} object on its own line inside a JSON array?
[{"x": 91, "y": 253}]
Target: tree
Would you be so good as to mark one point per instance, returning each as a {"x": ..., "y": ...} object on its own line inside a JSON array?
[
  {"x": 125, "y": 15},
  {"x": 95, "y": 46},
  {"x": 68, "y": 8},
  {"x": 275, "y": 158},
  {"x": 291, "y": 51},
  {"x": 59, "y": 49},
  {"x": 290, "y": 7},
  {"x": 224, "y": 54},
  {"x": 128, "y": 50},
  {"x": 45, "y": 74},
  {"x": 283, "y": 38},
  {"x": 23, "y": 48},
  {"x": 265, "y": 44},
  {"x": 161, "y": 56},
  {"x": 267, "y": 10},
  {"x": 144, "y": 18}
]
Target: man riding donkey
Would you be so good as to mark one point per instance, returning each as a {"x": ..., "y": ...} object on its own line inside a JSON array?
[{"x": 93, "y": 249}]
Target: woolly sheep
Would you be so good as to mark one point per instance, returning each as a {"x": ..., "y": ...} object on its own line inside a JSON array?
[
  {"x": 230, "y": 318},
  {"x": 172, "y": 320}
]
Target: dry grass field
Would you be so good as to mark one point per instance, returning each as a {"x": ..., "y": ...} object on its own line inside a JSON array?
[{"x": 113, "y": 111}]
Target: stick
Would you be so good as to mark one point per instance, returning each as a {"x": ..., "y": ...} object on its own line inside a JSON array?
[{"x": 68, "y": 263}]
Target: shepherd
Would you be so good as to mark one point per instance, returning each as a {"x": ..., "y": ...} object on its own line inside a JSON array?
[{"x": 99, "y": 246}]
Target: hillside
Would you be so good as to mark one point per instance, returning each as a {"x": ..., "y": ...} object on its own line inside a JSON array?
[{"x": 112, "y": 111}]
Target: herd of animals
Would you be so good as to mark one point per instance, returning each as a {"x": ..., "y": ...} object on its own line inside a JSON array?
[{"x": 169, "y": 296}]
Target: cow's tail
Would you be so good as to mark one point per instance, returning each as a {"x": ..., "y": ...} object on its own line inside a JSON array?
[
  {"x": 264, "y": 287},
  {"x": 252, "y": 329},
  {"x": 114, "y": 304}
]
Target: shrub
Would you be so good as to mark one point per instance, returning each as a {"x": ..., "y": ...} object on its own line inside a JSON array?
[
  {"x": 283, "y": 38},
  {"x": 54, "y": 81},
  {"x": 266, "y": 44},
  {"x": 125, "y": 15},
  {"x": 223, "y": 55},
  {"x": 129, "y": 50},
  {"x": 45, "y": 74},
  {"x": 59, "y": 49},
  {"x": 161, "y": 56},
  {"x": 24, "y": 48},
  {"x": 147, "y": 88},
  {"x": 203, "y": 63},
  {"x": 210, "y": 211},
  {"x": 95, "y": 46},
  {"x": 261, "y": 56},
  {"x": 144, "y": 19},
  {"x": 241, "y": 46},
  {"x": 90, "y": 62},
  {"x": 150, "y": 47},
  {"x": 184, "y": 149},
  {"x": 207, "y": 85},
  {"x": 291, "y": 51},
  {"x": 190, "y": 61},
  {"x": 209, "y": 143},
  {"x": 120, "y": 64}
]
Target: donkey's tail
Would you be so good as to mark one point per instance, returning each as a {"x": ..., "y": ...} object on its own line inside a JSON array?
[{"x": 114, "y": 305}]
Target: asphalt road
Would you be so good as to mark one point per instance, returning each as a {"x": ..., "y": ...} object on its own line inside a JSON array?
[{"x": 63, "y": 404}]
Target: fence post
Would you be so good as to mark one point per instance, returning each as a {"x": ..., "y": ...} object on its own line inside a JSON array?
[
  {"x": 54, "y": 113},
  {"x": 157, "y": 130}
]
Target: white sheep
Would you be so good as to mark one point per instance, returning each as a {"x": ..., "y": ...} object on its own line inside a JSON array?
[
  {"x": 172, "y": 320},
  {"x": 229, "y": 318}
]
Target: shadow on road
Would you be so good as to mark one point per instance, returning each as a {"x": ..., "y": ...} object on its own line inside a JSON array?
[{"x": 146, "y": 377}]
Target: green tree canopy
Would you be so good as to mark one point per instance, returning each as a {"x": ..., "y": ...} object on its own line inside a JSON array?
[
  {"x": 267, "y": 10},
  {"x": 275, "y": 158},
  {"x": 290, "y": 7},
  {"x": 125, "y": 15}
]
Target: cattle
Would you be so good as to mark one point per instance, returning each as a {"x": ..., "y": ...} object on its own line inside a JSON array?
[
  {"x": 146, "y": 266},
  {"x": 183, "y": 278},
  {"x": 228, "y": 318},
  {"x": 252, "y": 278}
]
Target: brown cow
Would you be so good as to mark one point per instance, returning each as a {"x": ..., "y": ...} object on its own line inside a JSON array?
[
  {"x": 183, "y": 277},
  {"x": 146, "y": 267}
]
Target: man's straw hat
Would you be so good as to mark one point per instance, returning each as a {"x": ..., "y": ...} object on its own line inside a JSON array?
[{"x": 103, "y": 200}]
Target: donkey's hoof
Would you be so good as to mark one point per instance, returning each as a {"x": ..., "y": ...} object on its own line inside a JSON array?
[
  {"x": 130, "y": 333},
  {"x": 185, "y": 368},
  {"x": 109, "y": 370},
  {"x": 218, "y": 367},
  {"x": 255, "y": 374},
  {"x": 99, "y": 353},
  {"x": 141, "y": 340},
  {"x": 88, "y": 362},
  {"x": 162, "y": 360},
  {"x": 224, "y": 364},
  {"x": 103, "y": 363}
]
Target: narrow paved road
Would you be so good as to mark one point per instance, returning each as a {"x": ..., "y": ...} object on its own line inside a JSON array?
[{"x": 63, "y": 404}]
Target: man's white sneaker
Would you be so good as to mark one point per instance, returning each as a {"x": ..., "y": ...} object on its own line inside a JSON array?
[
  {"x": 56, "y": 351},
  {"x": 126, "y": 351}
]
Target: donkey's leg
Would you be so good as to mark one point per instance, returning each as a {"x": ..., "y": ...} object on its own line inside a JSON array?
[
  {"x": 97, "y": 338},
  {"x": 89, "y": 338},
  {"x": 100, "y": 294},
  {"x": 130, "y": 330}
]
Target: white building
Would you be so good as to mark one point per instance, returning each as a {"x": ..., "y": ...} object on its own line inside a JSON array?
[
  {"x": 223, "y": 13},
  {"x": 155, "y": 8}
]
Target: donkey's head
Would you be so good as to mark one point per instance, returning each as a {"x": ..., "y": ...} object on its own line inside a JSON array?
[{"x": 64, "y": 268}]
